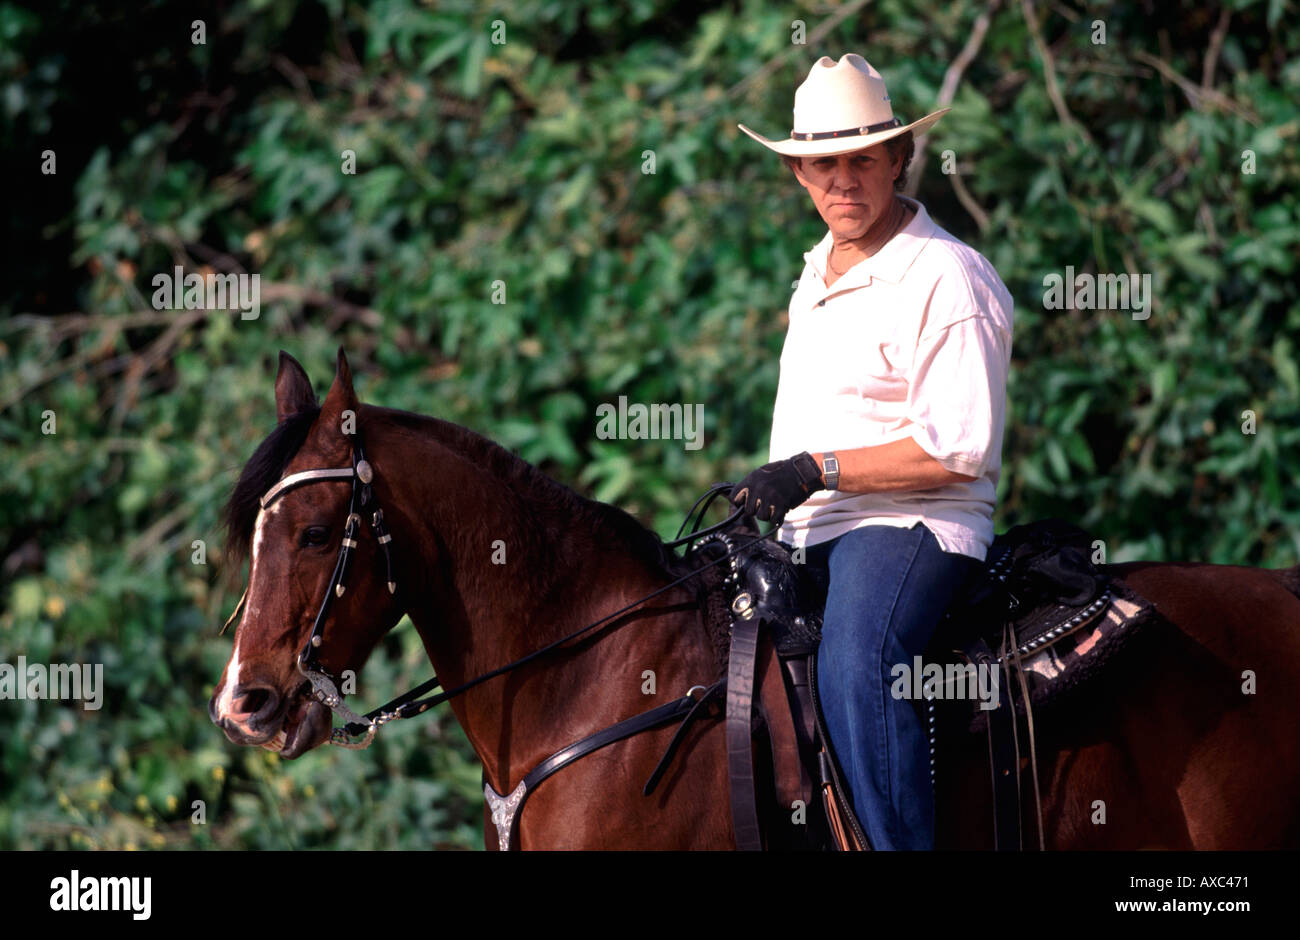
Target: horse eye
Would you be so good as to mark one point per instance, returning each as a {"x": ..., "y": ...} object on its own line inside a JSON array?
[{"x": 315, "y": 535}]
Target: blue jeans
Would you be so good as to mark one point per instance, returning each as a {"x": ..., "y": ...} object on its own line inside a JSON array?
[{"x": 888, "y": 589}]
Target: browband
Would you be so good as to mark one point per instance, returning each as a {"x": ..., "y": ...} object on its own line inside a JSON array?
[{"x": 306, "y": 476}]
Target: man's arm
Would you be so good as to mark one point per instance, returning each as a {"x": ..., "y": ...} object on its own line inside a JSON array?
[{"x": 898, "y": 465}]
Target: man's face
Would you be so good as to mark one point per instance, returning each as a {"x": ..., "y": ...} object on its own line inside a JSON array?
[{"x": 852, "y": 191}]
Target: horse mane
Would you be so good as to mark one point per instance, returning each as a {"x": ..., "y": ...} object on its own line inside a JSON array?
[
  {"x": 602, "y": 519},
  {"x": 1290, "y": 578},
  {"x": 268, "y": 462},
  {"x": 262, "y": 472}
]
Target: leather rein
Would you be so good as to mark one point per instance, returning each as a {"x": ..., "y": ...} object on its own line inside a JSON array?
[{"x": 325, "y": 688}]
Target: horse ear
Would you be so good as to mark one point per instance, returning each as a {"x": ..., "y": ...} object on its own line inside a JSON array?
[
  {"x": 341, "y": 399},
  {"x": 292, "y": 388}
]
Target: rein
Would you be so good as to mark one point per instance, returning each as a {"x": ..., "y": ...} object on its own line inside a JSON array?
[{"x": 409, "y": 704}]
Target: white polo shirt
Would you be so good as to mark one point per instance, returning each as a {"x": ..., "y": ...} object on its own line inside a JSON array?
[{"x": 914, "y": 341}]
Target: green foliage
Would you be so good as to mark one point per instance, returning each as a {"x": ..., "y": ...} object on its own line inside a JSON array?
[{"x": 525, "y": 164}]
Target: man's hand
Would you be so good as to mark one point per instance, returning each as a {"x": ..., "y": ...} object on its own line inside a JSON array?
[{"x": 774, "y": 489}]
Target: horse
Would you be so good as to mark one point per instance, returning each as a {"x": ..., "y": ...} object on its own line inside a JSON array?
[{"x": 1188, "y": 745}]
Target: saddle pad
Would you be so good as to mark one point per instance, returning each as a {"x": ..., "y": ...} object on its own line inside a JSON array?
[{"x": 1058, "y": 667}]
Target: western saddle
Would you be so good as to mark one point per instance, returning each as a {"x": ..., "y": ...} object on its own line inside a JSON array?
[{"x": 1039, "y": 614}]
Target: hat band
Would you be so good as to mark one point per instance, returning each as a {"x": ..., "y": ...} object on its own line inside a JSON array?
[{"x": 849, "y": 132}]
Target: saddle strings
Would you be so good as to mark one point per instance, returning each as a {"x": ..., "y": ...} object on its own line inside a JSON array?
[
  {"x": 1033, "y": 750},
  {"x": 1004, "y": 656},
  {"x": 1010, "y": 652}
]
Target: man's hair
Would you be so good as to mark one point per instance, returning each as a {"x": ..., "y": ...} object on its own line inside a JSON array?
[
  {"x": 896, "y": 145},
  {"x": 902, "y": 144}
]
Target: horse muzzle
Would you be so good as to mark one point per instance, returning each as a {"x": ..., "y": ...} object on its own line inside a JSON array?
[{"x": 259, "y": 715}]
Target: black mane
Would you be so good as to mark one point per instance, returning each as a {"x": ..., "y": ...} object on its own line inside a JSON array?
[{"x": 262, "y": 471}]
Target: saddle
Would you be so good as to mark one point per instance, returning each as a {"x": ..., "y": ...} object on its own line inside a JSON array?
[{"x": 1040, "y": 616}]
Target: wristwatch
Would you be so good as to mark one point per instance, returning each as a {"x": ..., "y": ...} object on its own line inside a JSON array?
[{"x": 831, "y": 471}]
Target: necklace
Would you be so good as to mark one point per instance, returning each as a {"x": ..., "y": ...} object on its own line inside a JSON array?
[{"x": 894, "y": 229}]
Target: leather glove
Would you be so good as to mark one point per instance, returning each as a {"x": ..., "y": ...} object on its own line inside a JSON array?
[{"x": 772, "y": 490}]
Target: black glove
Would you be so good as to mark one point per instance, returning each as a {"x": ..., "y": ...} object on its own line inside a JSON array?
[{"x": 774, "y": 489}]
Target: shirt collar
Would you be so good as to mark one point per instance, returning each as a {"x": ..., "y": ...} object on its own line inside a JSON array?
[{"x": 890, "y": 263}]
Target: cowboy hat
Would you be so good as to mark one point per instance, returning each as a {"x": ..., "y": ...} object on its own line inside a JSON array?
[{"x": 841, "y": 106}]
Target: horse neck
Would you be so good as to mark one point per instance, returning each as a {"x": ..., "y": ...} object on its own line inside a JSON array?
[{"x": 503, "y": 571}]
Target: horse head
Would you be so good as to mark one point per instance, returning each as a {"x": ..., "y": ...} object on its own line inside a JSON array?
[{"x": 299, "y": 615}]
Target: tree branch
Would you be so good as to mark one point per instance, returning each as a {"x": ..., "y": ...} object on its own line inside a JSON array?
[
  {"x": 948, "y": 90},
  {"x": 813, "y": 38},
  {"x": 1216, "y": 46},
  {"x": 1197, "y": 96},
  {"x": 1049, "y": 76}
]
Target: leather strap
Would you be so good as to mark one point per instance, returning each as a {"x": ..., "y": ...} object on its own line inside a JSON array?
[
  {"x": 1004, "y": 760},
  {"x": 660, "y": 768},
  {"x": 1005, "y": 658},
  {"x": 805, "y": 725},
  {"x": 1013, "y": 646},
  {"x": 847, "y": 132},
  {"x": 740, "y": 762},
  {"x": 624, "y": 729},
  {"x": 567, "y": 755},
  {"x": 1033, "y": 749},
  {"x": 840, "y": 807}
]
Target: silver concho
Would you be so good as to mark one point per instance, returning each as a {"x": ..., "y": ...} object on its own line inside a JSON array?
[{"x": 503, "y": 811}]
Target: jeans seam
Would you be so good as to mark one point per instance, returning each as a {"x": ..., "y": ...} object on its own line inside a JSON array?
[{"x": 885, "y": 724}]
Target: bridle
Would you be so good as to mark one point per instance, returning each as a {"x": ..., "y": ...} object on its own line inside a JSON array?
[
  {"x": 324, "y": 685},
  {"x": 324, "y": 688}
]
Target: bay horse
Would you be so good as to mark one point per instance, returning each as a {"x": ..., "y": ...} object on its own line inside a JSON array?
[{"x": 1189, "y": 744}]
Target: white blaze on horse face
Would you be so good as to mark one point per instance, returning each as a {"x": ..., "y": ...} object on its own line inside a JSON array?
[
  {"x": 251, "y": 609},
  {"x": 225, "y": 702},
  {"x": 259, "y": 536}
]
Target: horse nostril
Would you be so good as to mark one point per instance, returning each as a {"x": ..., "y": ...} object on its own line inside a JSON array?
[{"x": 251, "y": 703}]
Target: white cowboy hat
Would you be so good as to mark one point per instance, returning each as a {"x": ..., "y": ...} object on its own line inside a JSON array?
[{"x": 841, "y": 106}]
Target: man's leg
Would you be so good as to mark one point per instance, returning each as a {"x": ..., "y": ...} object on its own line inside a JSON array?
[{"x": 888, "y": 589}]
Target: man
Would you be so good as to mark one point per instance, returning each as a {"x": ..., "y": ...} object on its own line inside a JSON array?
[{"x": 887, "y": 431}]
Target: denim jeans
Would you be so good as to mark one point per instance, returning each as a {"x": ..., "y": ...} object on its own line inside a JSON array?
[{"x": 888, "y": 588}]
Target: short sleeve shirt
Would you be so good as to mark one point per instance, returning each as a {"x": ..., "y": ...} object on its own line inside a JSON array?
[{"x": 914, "y": 341}]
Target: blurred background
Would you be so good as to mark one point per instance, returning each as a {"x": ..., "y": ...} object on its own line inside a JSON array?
[{"x": 590, "y": 162}]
